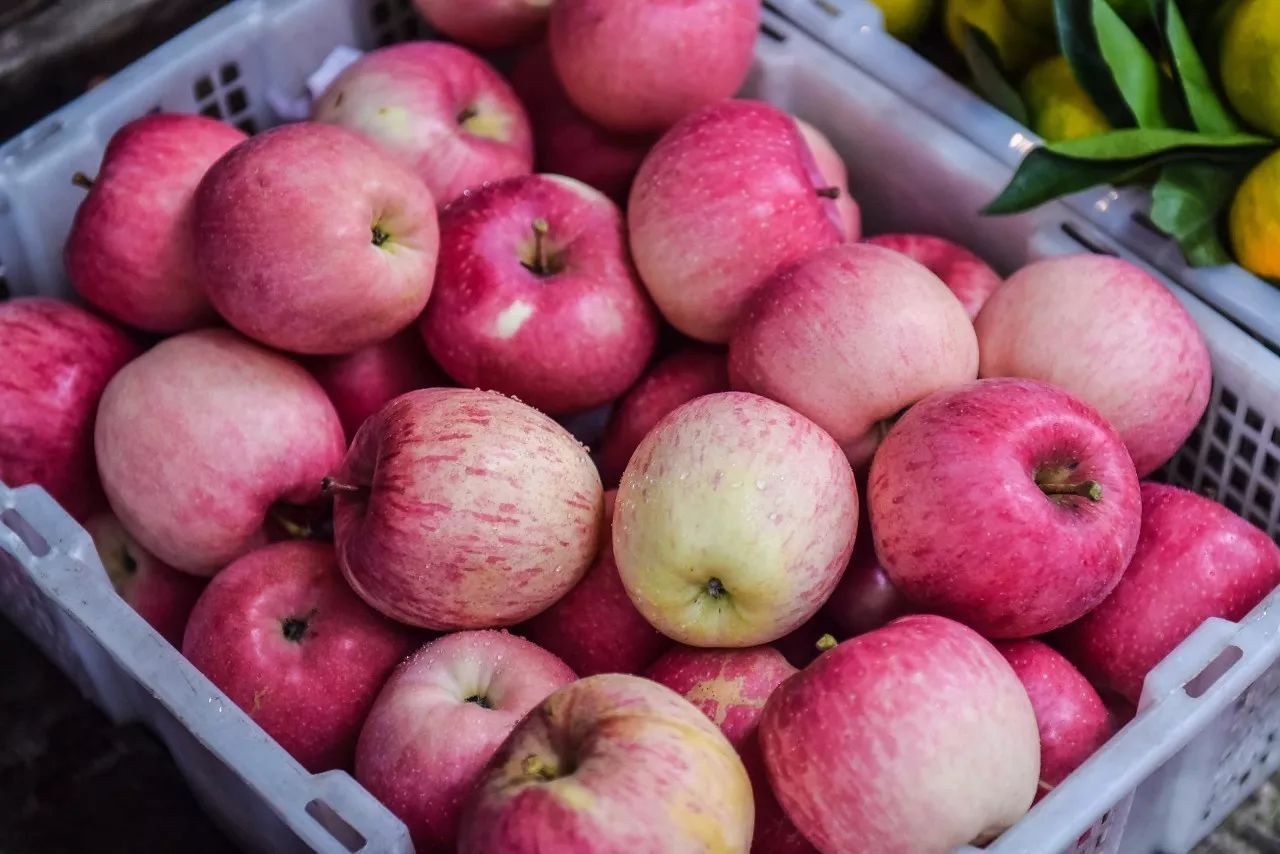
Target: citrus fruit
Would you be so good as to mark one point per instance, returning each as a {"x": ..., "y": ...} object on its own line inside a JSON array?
[
  {"x": 1250, "y": 63},
  {"x": 1058, "y": 108},
  {"x": 1255, "y": 219},
  {"x": 905, "y": 19},
  {"x": 1017, "y": 44}
]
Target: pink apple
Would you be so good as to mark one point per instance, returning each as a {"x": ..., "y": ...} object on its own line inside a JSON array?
[
  {"x": 703, "y": 238},
  {"x": 836, "y": 174},
  {"x": 487, "y": 24},
  {"x": 917, "y": 737},
  {"x": 200, "y": 436},
  {"x": 679, "y": 378},
  {"x": 461, "y": 509},
  {"x": 1073, "y": 720},
  {"x": 130, "y": 251},
  {"x": 733, "y": 522},
  {"x": 1121, "y": 342},
  {"x": 310, "y": 239},
  {"x": 287, "y": 641},
  {"x": 57, "y": 360},
  {"x": 611, "y": 763},
  {"x": 567, "y": 142},
  {"x": 970, "y": 278},
  {"x": 637, "y": 65},
  {"x": 1195, "y": 560},
  {"x": 594, "y": 628},
  {"x": 439, "y": 719},
  {"x": 730, "y": 686},
  {"x": 536, "y": 296},
  {"x": 1006, "y": 504},
  {"x": 850, "y": 337},
  {"x": 159, "y": 593},
  {"x": 361, "y": 383},
  {"x": 439, "y": 109}
]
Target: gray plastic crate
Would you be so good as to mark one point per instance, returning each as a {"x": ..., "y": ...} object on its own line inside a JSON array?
[{"x": 1209, "y": 712}]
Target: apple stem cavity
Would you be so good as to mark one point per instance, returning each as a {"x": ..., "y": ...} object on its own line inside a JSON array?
[
  {"x": 828, "y": 192},
  {"x": 82, "y": 181},
  {"x": 480, "y": 700},
  {"x": 542, "y": 262},
  {"x": 1089, "y": 489},
  {"x": 826, "y": 642},
  {"x": 332, "y": 486},
  {"x": 466, "y": 114},
  {"x": 379, "y": 236},
  {"x": 536, "y": 766}
]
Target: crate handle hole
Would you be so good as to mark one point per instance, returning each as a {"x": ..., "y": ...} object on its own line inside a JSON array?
[
  {"x": 773, "y": 33},
  {"x": 30, "y": 537},
  {"x": 1199, "y": 685},
  {"x": 328, "y": 818}
]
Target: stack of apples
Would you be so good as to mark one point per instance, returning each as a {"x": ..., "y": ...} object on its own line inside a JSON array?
[{"x": 334, "y": 476}]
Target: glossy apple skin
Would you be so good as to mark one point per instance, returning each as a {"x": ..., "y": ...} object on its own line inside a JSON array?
[
  {"x": 703, "y": 239},
  {"x": 285, "y": 246},
  {"x": 832, "y": 168},
  {"x": 730, "y": 686},
  {"x": 627, "y": 765},
  {"x": 733, "y": 521},
  {"x": 362, "y": 382},
  {"x": 469, "y": 510},
  {"x": 487, "y": 24},
  {"x": 408, "y": 99},
  {"x": 971, "y": 279},
  {"x": 1073, "y": 720},
  {"x": 310, "y": 694},
  {"x": 912, "y": 739},
  {"x": 130, "y": 250},
  {"x": 568, "y": 143},
  {"x": 850, "y": 337},
  {"x": 865, "y": 599},
  {"x": 199, "y": 436},
  {"x": 595, "y": 628},
  {"x": 618, "y": 58},
  {"x": 562, "y": 341},
  {"x": 677, "y": 379},
  {"x": 1121, "y": 342},
  {"x": 428, "y": 737},
  {"x": 159, "y": 593},
  {"x": 964, "y": 530},
  {"x": 1195, "y": 560},
  {"x": 57, "y": 360}
]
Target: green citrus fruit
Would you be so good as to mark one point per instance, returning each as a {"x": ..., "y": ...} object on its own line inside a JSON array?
[
  {"x": 1059, "y": 109},
  {"x": 1250, "y": 63}
]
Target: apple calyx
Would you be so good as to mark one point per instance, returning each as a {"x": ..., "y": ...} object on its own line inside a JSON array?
[
  {"x": 466, "y": 114},
  {"x": 716, "y": 589},
  {"x": 380, "y": 236},
  {"x": 540, "y": 260},
  {"x": 828, "y": 192},
  {"x": 826, "y": 642},
  {"x": 1053, "y": 482},
  {"x": 295, "y": 628},
  {"x": 480, "y": 700},
  {"x": 536, "y": 766},
  {"x": 82, "y": 181},
  {"x": 332, "y": 486}
]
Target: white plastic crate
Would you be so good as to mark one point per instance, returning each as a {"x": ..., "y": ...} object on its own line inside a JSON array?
[{"x": 1210, "y": 710}]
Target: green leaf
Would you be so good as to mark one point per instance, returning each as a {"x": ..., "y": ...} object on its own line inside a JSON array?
[
  {"x": 1206, "y": 108},
  {"x": 984, "y": 64},
  {"x": 1187, "y": 202},
  {"x": 1061, "y": 168},
  {"x": 1134, "y": 70},
  {"x": 1079, "y": 45}
]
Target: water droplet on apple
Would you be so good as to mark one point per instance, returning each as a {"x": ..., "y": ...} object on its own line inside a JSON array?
[{"x": 760, "y": 484}]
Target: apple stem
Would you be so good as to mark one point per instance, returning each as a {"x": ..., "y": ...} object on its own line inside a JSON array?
[
  {"x": 826, "y": 642},
  {"x": 1089, "y": 489},
  {"x": 540, "y": 261},
  {"x": 331, "y": 485},
  {"x": 82, "y": 181},
  {"x": 536, "y": 766},
  {"x": 829, "y": 192}
]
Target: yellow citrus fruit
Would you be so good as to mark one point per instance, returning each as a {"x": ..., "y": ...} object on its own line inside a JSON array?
[
  {"x": 1251, "y": 63},
  {"x": 1255, "y": 219},
  {"x": 1058, "y": 108},
  {"x": 905, "y": 19},
  {"x": 1033, "y": 13},
  {"x": 1017, "y": 44}
]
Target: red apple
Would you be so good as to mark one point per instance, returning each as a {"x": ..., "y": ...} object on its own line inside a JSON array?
[
  {"x": 1121, "y": 342},
  {"x": 1195, "y": 560},
  {"x": 197, "y": 439},
  {"x": 1006, "y": 504},
  {"x": 361, "y": 383},
  {"x": 865, "y": 599},
  {"x": 287, "y": 641},
  {"x": 57, "y": 360},
  {"x": 568, "y": 143},
  {"x": 594, "y": 628},
  {"x": 1073, "y": 720},
  {"x": 639, "y": 65},
  {"x": 130, "y": 251},
  {"x": 439, "y": 719},
  {"x": 159, "y": 593},
  {"x": 487, "y": 24},
  {"x": 611, "y": 763},
  {"x": 310, "y": 239},
  {"x": 536, "y": 296},
  {"x": 679, "y": 378},
  {"x": 461, "y": 509},
  {"x": 970, "y": 278},
  {"x": 850, "y": 337},
  {"x": 917, "y": 737},
  {"x": 836, "y": 174},
  {"x": 439, "y": 109},
  {"x": 730, "y": 686},
  {"x": 734, "y": 520},
  {"x": 703, "y": 237}
]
